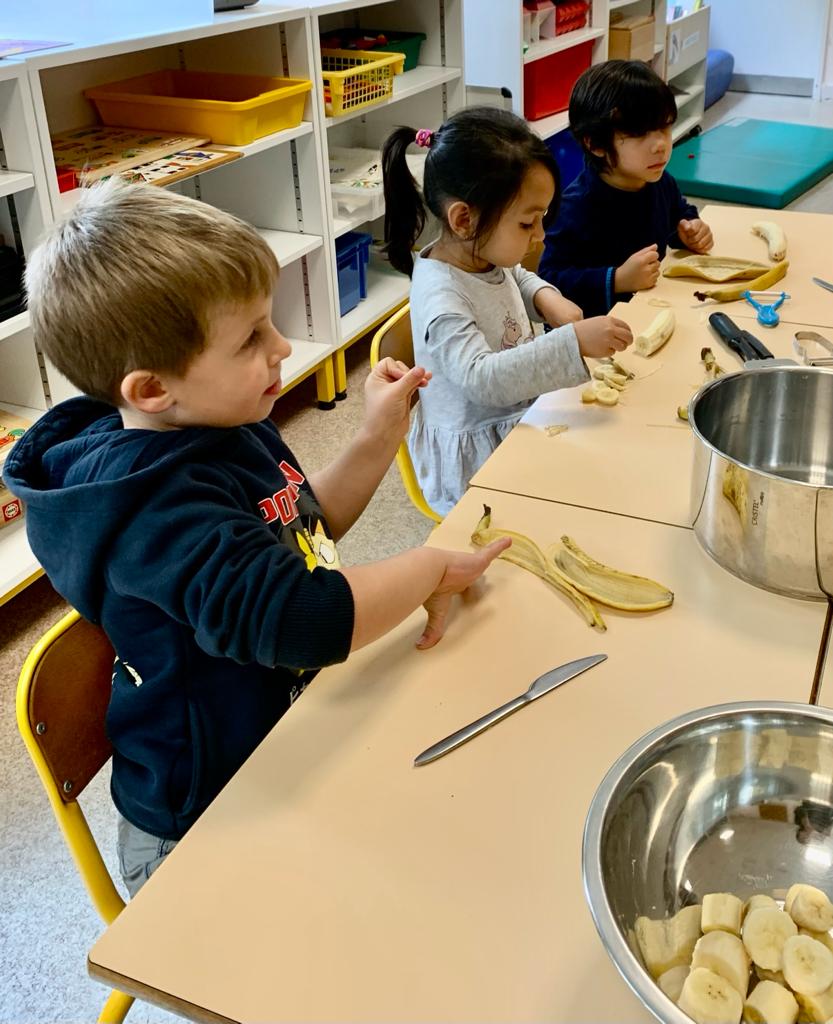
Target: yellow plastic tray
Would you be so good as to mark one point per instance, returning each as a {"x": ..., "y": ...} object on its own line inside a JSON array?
[
  {"x": 232, "y": 110},
  {"x": 357, "y": 78}
]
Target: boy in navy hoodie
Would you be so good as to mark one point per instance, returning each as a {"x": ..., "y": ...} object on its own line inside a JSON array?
[
  {"x": 166, "y": 507},
  {"x": 621, "y": 213}
]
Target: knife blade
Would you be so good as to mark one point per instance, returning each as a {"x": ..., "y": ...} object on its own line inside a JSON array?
[
  {"x": 823, "y": 284},
  {"x": 543, "y": 684}
]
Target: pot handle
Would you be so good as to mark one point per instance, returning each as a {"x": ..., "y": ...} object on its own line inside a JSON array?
[
  {"x": 757, "y": 364},
  {"x": 824, "y": 540}
]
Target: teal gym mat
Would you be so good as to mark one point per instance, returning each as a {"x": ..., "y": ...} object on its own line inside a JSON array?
[{"x": 752, "y": 162}]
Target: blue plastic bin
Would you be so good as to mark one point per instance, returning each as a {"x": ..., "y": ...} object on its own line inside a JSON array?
[
  {"x": 361, "y": 241},
  {"x": 568, "y": 155},
  {"x": 351, "y": 271}
]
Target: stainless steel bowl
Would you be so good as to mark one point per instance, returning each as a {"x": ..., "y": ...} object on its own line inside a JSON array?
[
  {"x": 733, "y": 798},
  {"x": 762, "y": 482}
]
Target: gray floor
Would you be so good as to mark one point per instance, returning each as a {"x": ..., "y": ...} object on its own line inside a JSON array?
[{"x": 46, "y": 922}]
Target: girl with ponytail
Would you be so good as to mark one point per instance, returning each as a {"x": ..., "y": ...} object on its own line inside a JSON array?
[{"x": 493, "y": 186}]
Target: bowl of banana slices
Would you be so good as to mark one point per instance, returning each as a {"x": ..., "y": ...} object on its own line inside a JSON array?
[{"x": 708, "y": 865}]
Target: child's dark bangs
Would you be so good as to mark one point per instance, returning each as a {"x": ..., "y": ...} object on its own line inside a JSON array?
[{"x": 645, "y": 108}]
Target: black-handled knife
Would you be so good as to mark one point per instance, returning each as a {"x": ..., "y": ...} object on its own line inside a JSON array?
[{"x": 741, "y": 342}]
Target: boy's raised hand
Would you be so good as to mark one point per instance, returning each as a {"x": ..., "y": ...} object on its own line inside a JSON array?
[
  {"x": 462, "y": 569},
  {"x": 601, "y": 336},
  {"x": 388, "y": 391},
  {"x": 695, "y": 235},
  {"x": 638, "y": 272}
]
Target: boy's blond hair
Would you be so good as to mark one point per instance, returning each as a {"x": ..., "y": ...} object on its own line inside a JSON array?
[{"x": 130, "y": 279}]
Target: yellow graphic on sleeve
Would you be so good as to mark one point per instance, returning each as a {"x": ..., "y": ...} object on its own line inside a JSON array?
[{"x": 318, "y": 549}]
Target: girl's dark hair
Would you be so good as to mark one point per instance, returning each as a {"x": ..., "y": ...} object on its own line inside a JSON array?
[
  {"x": 479, "y": 156},
  {"x": 623, "y": 96}
]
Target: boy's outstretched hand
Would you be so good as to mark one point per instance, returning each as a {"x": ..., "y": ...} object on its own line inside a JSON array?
[
  {"x": 388, "y": 391},
  {"x": 462, "y": 569},
  {"x": 638, "y": 272},
  {"x": 695, "y": 235}
]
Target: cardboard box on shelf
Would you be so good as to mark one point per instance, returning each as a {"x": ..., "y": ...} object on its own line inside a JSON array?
[
  {"x": 12, "y": 429},
  {"x": 631, "y": 38}
]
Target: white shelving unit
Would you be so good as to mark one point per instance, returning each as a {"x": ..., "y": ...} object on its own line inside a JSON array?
[
  {"x": 280, "y": 184},
  {"x": 422, "y": 97},
  {"x": 494, "y": 35},
  {"x": 24, "y": 210}
]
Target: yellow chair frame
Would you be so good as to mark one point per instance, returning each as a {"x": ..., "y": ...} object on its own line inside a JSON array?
[
  {"x": 62, "y": 695},
  {"x": 394, "y": 339}
]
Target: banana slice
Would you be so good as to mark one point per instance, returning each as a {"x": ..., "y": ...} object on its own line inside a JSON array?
[
  {"x": 764, "y": 933},
  {"x": 817, "y": 1009},
  {"x": 671, "y": 982},
  {"x": 670, "y": 942},
  {"x": 759, "y": 900},
  {"x": 825, "y": 938},
  {"x": 722, "y": 912},
  {"x": 808, "y": 965},
  {"x": 809, "y": 907},
  {"x": 725, "y": 955},
  {"x": 770, "y": 1004},
  {"x": 605, "y": 395},
  {"x": 765, "y": 975},
  {"x": 709, "y": 999}
]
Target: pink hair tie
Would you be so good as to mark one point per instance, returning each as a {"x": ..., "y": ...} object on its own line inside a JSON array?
[{"x": 424, "y": 137}]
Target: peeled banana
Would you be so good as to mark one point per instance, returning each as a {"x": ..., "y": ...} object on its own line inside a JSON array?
[
  {"x": 731, "y": 292},
  {"x": 770, "y": 1003},
  {"x": 825, "y": 938},
  {"x": 722, "y": 911},
  {"x": 809, "y": 907},
  {"x": 764, "y": 932},
  {"x": 526, "y": 553},
  {"x": 708, "y": 998},
  {"x": 715, "y": 268},
  {"x": 759, "y": 900},
  {"x": 773, "y": 235},
  {"x": 656, "y": 334},
  {"x": 807, "y": 965},
  {"x": 610, "y": 586},
  {"x": 726, "y": 955},
  {"x": 668, "y": 942}
]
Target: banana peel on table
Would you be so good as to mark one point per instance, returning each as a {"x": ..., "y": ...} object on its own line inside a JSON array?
[
  {"x": 568, "y": 569},
  {"x": 716, "y": 268}
]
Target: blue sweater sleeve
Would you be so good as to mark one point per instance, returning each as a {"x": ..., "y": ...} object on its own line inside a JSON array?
[
  {"x": 567, "y": 262},
  {"x": 216, "y": 566}
]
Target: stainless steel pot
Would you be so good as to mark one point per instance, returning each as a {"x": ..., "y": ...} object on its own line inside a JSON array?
[{"x": 762, "y": 486}]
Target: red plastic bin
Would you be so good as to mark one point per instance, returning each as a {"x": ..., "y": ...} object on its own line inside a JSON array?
[{"x": 549, "y": 81}]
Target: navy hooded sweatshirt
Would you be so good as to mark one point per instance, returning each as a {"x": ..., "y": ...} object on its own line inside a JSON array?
[
  {"x": 599, "y": 227},
  {"x": 200, "y": 552}
]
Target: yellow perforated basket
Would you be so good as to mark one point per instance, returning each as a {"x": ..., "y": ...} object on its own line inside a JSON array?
[{"x": 357, "y": 78}]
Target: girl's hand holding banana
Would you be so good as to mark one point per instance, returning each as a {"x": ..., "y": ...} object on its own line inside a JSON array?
[{"x": 601, "y": 336}]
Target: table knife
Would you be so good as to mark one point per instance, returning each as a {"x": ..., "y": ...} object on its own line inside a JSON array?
[
  {"x": 823, "y": 284},
  {"x": 548, "y": 681}
]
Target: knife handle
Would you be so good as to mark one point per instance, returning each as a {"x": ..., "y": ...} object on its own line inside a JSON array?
[{"x": 469, "y": 731}]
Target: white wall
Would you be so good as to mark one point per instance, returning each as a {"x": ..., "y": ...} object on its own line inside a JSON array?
[{"x": 773, "y": 38}]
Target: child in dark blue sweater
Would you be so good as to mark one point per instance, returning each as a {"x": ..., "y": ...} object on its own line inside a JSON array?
[{"x": 618, "y": 217}]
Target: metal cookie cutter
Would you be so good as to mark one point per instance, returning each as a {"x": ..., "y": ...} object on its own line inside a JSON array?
[
  {"x": 803, "y": 347},
  {"x": 766, "y": 312}
]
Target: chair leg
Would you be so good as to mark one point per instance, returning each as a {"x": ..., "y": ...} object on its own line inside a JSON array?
[
  {"x": 116, "y": 1007},
  {"x": 340, "y": 367},
  {"x": 325, "y": 384}
]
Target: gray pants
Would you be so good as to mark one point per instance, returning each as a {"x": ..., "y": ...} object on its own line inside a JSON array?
[{"x": 140, "y": 854}]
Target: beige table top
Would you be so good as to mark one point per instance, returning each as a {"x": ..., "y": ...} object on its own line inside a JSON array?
[
  {"x": 809, "y": 250},
  {"x": 331, "y": 880},
  {"x": 633, "y": 458}
]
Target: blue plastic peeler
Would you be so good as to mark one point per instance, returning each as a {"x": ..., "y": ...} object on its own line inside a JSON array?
[{"x": 766, "y": 312}]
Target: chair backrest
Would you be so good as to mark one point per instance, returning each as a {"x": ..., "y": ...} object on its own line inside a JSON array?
[
  {"x": 394, "y": 339},
  {"x": 62, "y": 698}
]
